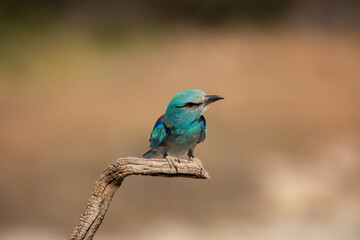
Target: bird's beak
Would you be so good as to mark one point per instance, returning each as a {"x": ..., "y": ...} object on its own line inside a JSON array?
[{"x": 212, "y": 98}]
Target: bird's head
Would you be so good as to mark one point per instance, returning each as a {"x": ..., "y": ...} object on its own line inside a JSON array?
[{"x": 188, "y": 106}]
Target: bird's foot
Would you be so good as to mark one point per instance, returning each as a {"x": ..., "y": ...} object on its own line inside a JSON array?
[
  {"x": 192, "y": 158},
  {"x": 171, "y": 161}
]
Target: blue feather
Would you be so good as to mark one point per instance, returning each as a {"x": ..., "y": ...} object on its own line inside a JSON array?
[
  {"x": 159, "y": 133},
  {"x": 183, "y": 126}
]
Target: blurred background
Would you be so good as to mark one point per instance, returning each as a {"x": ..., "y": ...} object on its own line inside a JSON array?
[{"x": 82, "y": 83}]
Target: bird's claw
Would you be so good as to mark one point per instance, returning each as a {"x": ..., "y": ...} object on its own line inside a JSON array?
[
  {"x": 202, "y": 171},
  {"x": 171, "y": 162}
]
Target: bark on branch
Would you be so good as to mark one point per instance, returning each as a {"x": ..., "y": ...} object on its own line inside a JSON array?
[{"x": 111, "y": 179}]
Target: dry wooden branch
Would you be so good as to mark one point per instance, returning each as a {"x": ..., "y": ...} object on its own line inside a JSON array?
[{"x": 111, "y": 179}]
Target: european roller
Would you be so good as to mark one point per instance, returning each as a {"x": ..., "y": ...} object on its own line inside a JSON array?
[{"x": 182, "y": 127}]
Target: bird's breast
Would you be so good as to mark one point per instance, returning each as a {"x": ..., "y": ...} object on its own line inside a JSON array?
[{"x": 180, "y": 140}]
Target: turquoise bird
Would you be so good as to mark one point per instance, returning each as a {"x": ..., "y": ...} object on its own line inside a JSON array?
[{"x": 182, "y": 127}]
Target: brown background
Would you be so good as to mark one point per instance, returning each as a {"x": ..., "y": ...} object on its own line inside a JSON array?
[{"x": 82, "y": 85}]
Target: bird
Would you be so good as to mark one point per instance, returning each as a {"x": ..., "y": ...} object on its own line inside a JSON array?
[{"x": 182, "y": 127}]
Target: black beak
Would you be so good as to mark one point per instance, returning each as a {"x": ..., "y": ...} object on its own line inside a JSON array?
[{"x": 212, "y": 98}]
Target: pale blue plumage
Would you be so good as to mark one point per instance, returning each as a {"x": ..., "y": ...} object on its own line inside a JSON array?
[
  {"x": 182, "y": 127},
  {"x": 159, "y": 134}
]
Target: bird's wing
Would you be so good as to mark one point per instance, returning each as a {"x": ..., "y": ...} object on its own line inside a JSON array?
[
  {"x": 203, "y": 129},
  {"x": 159, "y": 133}
]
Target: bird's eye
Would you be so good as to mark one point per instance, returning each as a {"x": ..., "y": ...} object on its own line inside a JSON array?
[{"x": 189, "y": 105}]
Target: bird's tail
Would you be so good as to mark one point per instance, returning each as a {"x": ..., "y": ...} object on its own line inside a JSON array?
[{"x": 151, "y": 153}]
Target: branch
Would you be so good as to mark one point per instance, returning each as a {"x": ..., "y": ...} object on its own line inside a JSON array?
[{"x": 111, "y": 179}]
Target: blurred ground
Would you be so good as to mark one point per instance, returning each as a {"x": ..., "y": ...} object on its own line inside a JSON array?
[{"x": 282, "y": 149}]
